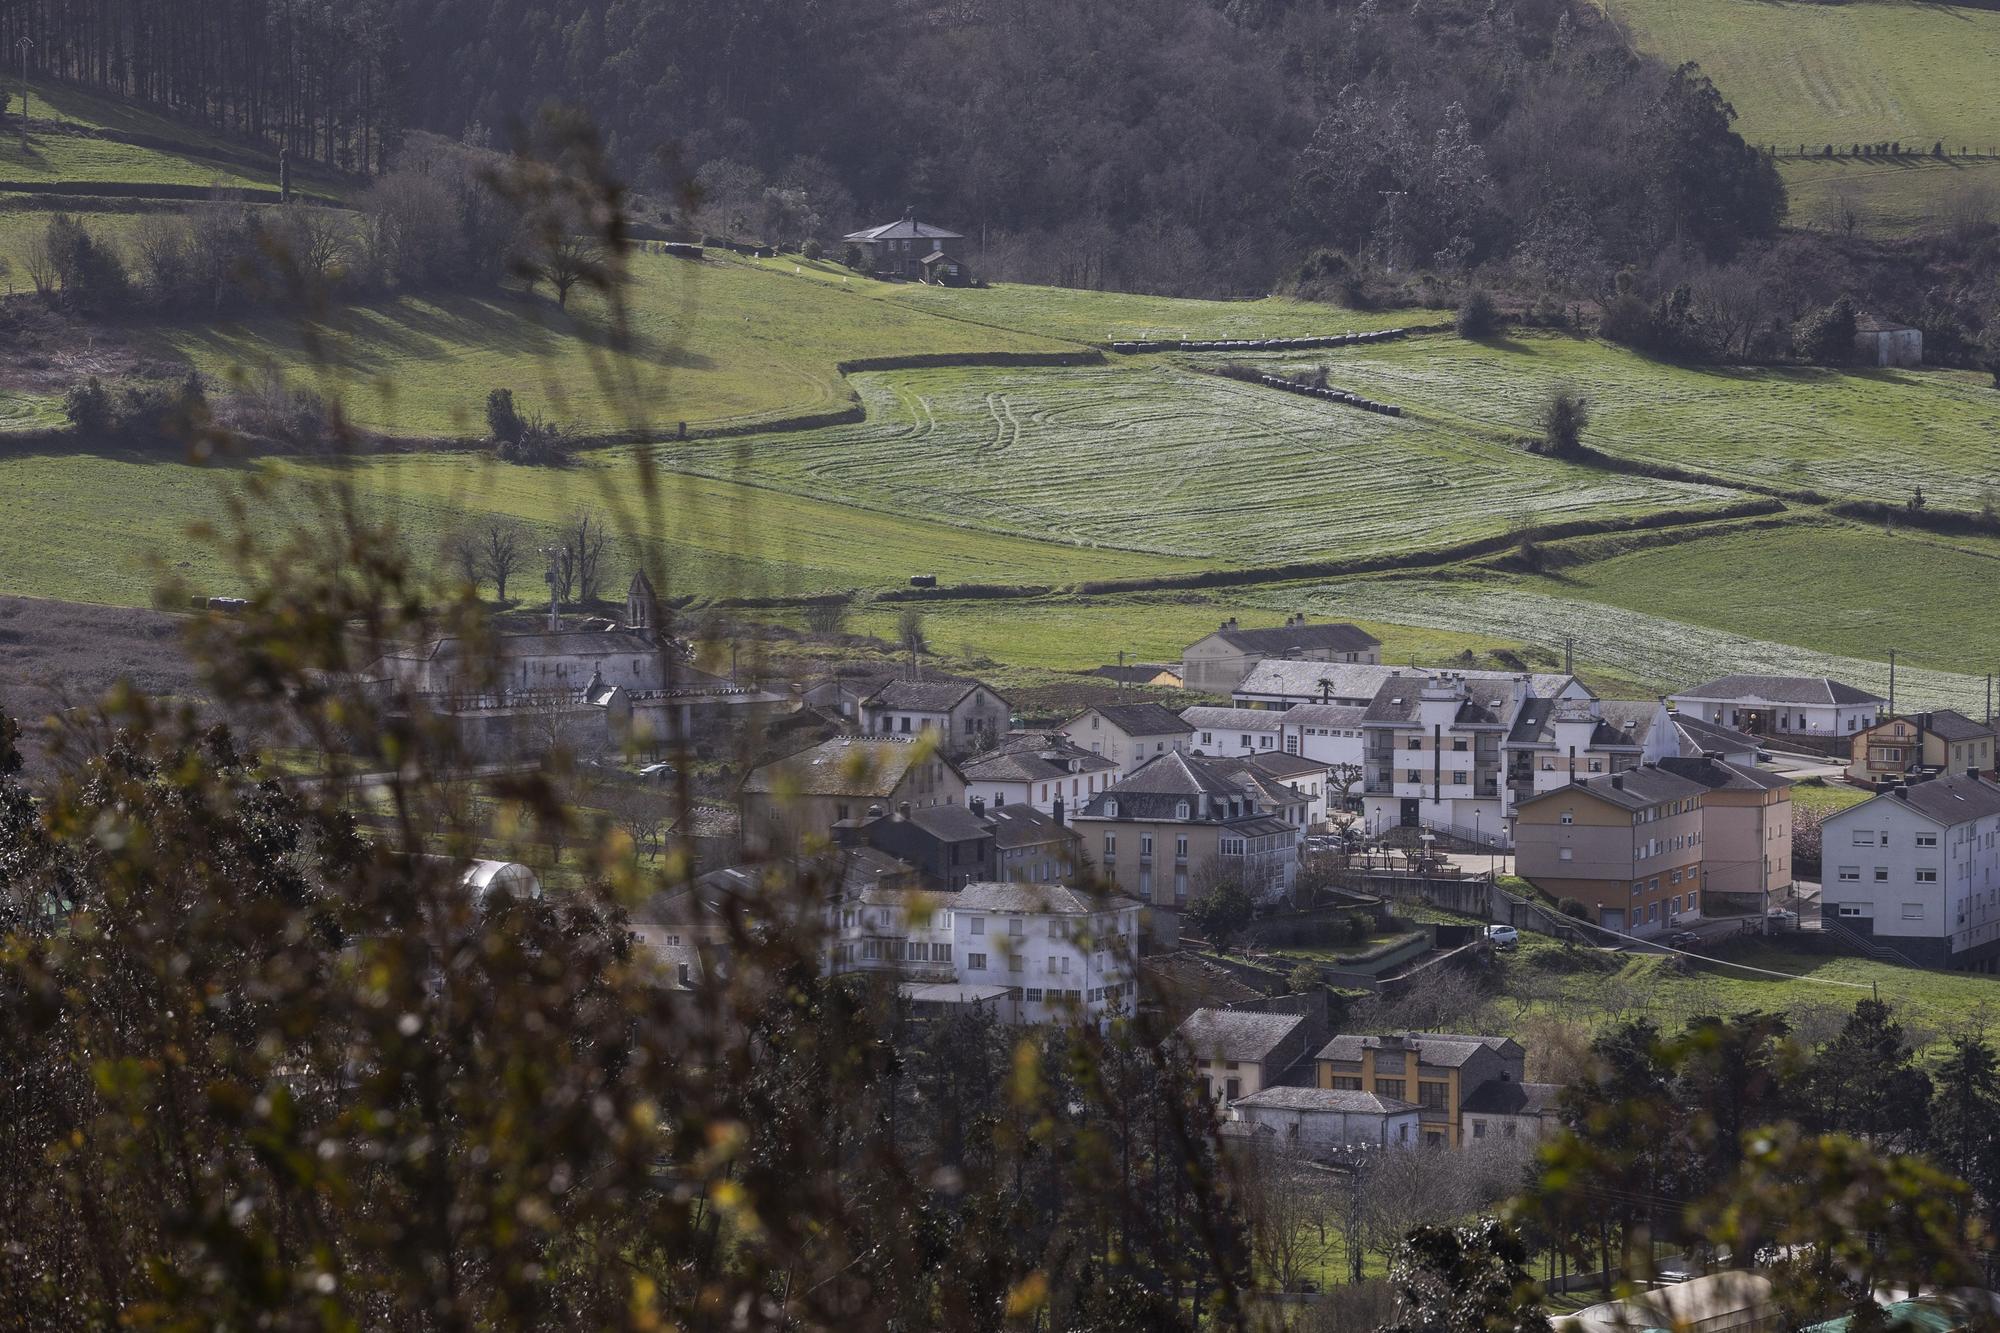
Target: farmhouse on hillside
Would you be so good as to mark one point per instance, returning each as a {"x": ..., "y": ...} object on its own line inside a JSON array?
[
  {"x": 907, "y": 248},
  {"x": 1882, "y": 342},
  {"x": 965, "y": 714},
  {"x": 1218, "y": 661}
]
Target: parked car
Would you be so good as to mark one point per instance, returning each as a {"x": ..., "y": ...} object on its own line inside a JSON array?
[
  {"x": 1502, "y": 937},
  {"x": 657, "y": 773},
  {"x": 1784, "y": 918},
  {"x": 1683, "y": 939}
]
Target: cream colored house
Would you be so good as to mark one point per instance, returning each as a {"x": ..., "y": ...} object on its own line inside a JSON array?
[
  {"x": 1945, "y": 740},
  {"x": 1238, "y": 1053},
  {"x": 1626, "y": 845},
  {"x": 1130, "y": 734},
  {"x": 1746, "y": 828},
  {"x": 1217, "y": 662},
  {"x": 791, "y": 801}
]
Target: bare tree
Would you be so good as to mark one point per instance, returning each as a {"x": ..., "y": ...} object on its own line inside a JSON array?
[
  {"x": 562, "y": 572},
  {"x": 461, "y": 553},
  {"x": 500, "y": 554},
  {"x": 568, "y": 260},
  {"x": 1291, "y": 1206},
  {"x": 42, "y": 266},
  {"x": 910, "y": 634},
  {"x": 587, "y": 538}
]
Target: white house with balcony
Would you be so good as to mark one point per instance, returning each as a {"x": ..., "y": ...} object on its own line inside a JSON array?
[
  {"x": 1917, "y": 870},
  {"x": 1803, "y": 706}
]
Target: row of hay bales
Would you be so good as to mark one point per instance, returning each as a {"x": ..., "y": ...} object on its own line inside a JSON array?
[
  {"x": 1259, "y": 344},
  {"x": 1331, "y": 394}
]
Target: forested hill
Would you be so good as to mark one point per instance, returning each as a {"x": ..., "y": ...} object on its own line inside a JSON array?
[{"x": 1175, "y": 145}]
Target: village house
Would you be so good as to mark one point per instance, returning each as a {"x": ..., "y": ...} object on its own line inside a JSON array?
[
  {"x": 1045, "y": 770},
  {"x": 1698, "y": 738},
  {"x": 1746, "y": 830},
  {"x": 1217, "y": 662},
  {"x": 1917, "y": 870},
  {"x": 1433, "y": 749},
  {"x": 1129, "y": 734},
  {"x": 1443, "y": 1073},
  {"x": 1230, "y": 731},
  {"x": 1806, "y": 707},
  {"x": 507, "y": 665},
  {"x": 1628, "y": 846},
  {"x": 1553, "y": 742},
  {"x": 802, "y": 796},
  {"x": 1179, "y": 822},
  {"x": 950, "y": 846},
  {"x": 1280, "y": 684},
  {"x": 907, "y": 248},
  {"x": 965, "y": 714},
  {"x": 1239, "y": 1052},
  {"x": 1330, "y": 733},
  {"x": 1884, "y": 342},
  {"x": 1320, "y": 1120},
  {"x": 1943, "y": 741},
  {"x": 1030, "y": 847},
  {"x": 1309, "y": 779}
]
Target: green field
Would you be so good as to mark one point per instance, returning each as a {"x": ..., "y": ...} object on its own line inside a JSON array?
[
  {"x": 1879, "y": 70},
  {"x": 1652, "y": 647},
  {"x": 51, "y": 156},
  {"x": 1841, "y": 588},
  {"x": 1795, "y": 428},
  {"x": 1145, "y": 456},
  {"x": 1891, "y": 198},
  {"x": 711, "y": 344}
]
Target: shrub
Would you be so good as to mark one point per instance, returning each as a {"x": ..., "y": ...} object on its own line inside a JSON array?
[
  {"x": 89, "y": 272},
  {"x": 1571, "y": 907},
  {"x": 1826, "y": 337},
  {"x": 146, "y": 412},
  {"x": 503, "y": 422},
  {"x": 88, "y": 407},
  {"x": 853, "y": 258},
  {"x": 1478, "y": 317},
  {"x": 1303, "y": 979},
  {"x": 826, "y": 618},
  {"x": 540, "y": 443},
  {"x": 1563, "y": 419},
  {"x": 812, "y": 250}
]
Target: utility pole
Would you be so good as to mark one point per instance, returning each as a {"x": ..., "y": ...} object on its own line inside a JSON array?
[
  {"x": 1892, "y": 682},
  {"x": 550, "y": 578},
  {"x": 1569, "y": 655},
  {"x": 24, "y": 44}
]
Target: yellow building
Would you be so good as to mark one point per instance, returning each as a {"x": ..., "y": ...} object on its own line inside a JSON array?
[
  {"x": 1945, "y": 740},
  {"x": 1439, "y": 1071}
]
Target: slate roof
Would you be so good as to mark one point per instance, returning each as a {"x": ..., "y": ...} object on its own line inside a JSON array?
[
  {"x": 1951, "y": 725},
  {"x": 1780, "y": 690},
  {"x": 1397, "y": 703},
  {"x": 1301, "y": 680},
  {"x": 1159, "y": 785},
  {"x": 1285, "y": 767},
  {"x": 927, "y": 696},
  {"x": 1873, "y": 323},
  {"x": 949, "y": 823},
  {"x": 1496, "y": 1097},
  {"x": 843, "y": 766},
  {"x": 1140, "y": 719},
  {"x": 1324, "y": 715},
  {"x": 1020, "y": 825},
  {"x": 864, "y": 870},
  {"x": 905, "y": 228},
  {"x": 1226, "y": 719},
  {"x": 1351, "y": 1101},
  {"x": 1258, "y": 783},
  {"x": 1236, "y": 1034},
  {"x": 1633, "y": 789},
  {"x": 1622, "y": 723},
  {"x": 1045, "y": 899},
  {"x": 1339, "y": 638},
  {"x": 1951, "y": 798},
  {"x": 1445, "y": 1050},
  {"x": 1698, "y": 736},
  {"x": 1721, "y": 775},
  {"x": 1031, "y": 763}
]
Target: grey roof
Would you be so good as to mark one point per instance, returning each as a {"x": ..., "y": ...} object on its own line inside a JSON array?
[
  {"x": 1397, "y": 702},
  {"x": 1309, "y": 681},
  {"x": 1949, "y": 724},
  {"x": 1324, "y": 715},
  {"x": 1284, "y": 766},
  {"x": 1222, "y": 719},
  {"x": 1869, "y": 322},
  {"x": 1259, "y": 783},
  {"x": 1140, "y": 719},
  {"x": 865, "y": 871},
  {"x": 1621, "y": 723},
  {"x": 1445, "y": 1050},
  {"x": 1698, "y": 736},
  {"x": 950, "y": 823},
  {"x": 1949, "y": 799},
  {"x": 1045, "y": 899},
  {"x": 905, "y": 228},
  {"x": 1350, "y": 1101},
  {"x": 1780, "y": 690},
  {"x": 1339, "y": 638},
  {"x": 1236, "y": 1034},
  {"x": 1721, "y": 775},
  {"x": 1018, "y": 825},
  {"x": 1632, "y": 789},
  {"x": 844, "y": 766},
  {"x": 1157, "y": 788},
  {"x": 1031, "y": 762},
  {"x": 1506, "y": 1097},
  {"x": 561, "y": 643},
  {"x": 940, "y": 695}
]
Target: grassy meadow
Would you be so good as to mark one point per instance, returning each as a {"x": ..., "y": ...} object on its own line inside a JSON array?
[
  {"x": 1798, "y": 72},
  {"x": 1890, "y": 198},
  {"x": 1795, "y": 428},
  {"x": 1147, "y": 456}
]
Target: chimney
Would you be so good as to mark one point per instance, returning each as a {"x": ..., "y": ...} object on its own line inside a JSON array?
[
  {"x": 1058, "y": 812},
  {"x": 1902, "y": 792},
  {"x": 903, "y": 810},
  {"x": 875, "y": 810},
  {"x": 1618, "y": 782},
  {"x": 978, "y": 807}
]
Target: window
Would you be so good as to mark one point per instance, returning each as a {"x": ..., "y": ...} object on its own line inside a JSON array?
[
  {"x": 1927, "y": 877},
  {"x": 1458, "y": 745},
  {"x": 1232, "y": 1088},
  {"x": 1415, "y": 744},
  {"x": 941, "y": 953},
  {"x": 1479, "y": 1129},
  {"x": 1016, "y": 927},
  {"x": 1927, "y": 840},
  {"x": 1864, "y": 837},
  {"x": 1431, "y": 1095},
  {"x": 1569, "y": 817},
  {"x": 1566, "y": 854},
  {"x": 1389, "y": 1087},
  {"x": 1346, "y": 1083},
  {"x": 1207, "y": 738},
  {"x": 1035, "y": 997},
  {"x": 1850, "y": 874},
  {"x": 1016, "y": 963},
  {"x": 979, "y": 925},
  {"x": 1881, "y": 874},
  {"x": 1111, "y": 811},
  {"x": 1913, "y": 911},
  {"x": 1850, "y": 909},
  {"x": 1145, "y": 844},
  {"x": 975, "y": 962},
  {"x": 1180, "y": 849},
  {"x": 1111, "y": 844},
  {"x": 1181, "y": 812}
]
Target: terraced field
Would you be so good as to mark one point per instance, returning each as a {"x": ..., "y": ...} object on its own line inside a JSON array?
[
  {"x": 1652, "y": 648},
  {"x": 1890, "y": 198},
  {"x": 89, "y": 527},
  {"x": 712, "y": 343},
  {"x": 1822, "y": 430},
  {"x": 53, "y": 156},
  {"x": 1146, "y": 456},
  {"x": 1796, "y": 72}
]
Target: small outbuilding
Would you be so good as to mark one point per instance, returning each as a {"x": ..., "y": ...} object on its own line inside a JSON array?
[{"x": 1882, "y": 342}]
